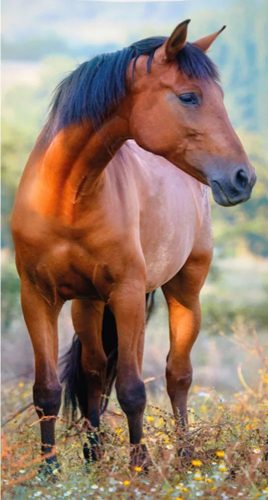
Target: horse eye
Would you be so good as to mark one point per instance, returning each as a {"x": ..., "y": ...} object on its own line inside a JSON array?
[{"x": 189, "y": 99}]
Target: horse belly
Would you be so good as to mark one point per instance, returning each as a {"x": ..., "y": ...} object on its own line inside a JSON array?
[
  {"x": 167, "y": 241},
  {"x": 162, "y": 270}
]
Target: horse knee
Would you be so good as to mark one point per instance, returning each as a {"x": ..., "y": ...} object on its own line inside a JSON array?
[
  {"x": 178, "y": 380},
  {"x": 47, "y": 399},
  {"x": 132, "y": 397}
]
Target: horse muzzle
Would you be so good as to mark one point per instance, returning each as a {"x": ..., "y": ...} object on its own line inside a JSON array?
[{"x": 229, "y": 192}]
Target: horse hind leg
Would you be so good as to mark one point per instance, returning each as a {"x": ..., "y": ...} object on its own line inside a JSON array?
[
  {"x": 87, "y": 319},
  {"x": 41, "y": 320}
]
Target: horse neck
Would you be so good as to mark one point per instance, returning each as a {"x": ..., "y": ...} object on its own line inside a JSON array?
[{"x": 74, "y": 163}]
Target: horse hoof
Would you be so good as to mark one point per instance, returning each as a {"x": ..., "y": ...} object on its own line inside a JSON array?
[
  {"x": 49, "y": 470},
  {"x": 92, "y": 452},
  {"x": 140, "y": 460}
]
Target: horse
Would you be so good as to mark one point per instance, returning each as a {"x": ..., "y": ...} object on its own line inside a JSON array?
[{"x": 113, "y": 204}]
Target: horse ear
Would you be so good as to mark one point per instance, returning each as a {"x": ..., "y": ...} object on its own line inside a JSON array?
[
  {"x": 176, "y": 41},
  {"x": 206, "y": 42}
]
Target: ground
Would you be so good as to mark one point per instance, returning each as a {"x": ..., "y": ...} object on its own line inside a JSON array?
[{"x": 228, "y": 438}]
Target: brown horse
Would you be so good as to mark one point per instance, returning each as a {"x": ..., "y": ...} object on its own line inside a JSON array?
[{"x": 106, "y": 212}]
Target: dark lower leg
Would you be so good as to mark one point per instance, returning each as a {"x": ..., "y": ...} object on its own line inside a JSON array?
[
  {"x": 132, "y": 399},
  {"x": 47, "y": 403},
  {"x": 92, "y": 449}
]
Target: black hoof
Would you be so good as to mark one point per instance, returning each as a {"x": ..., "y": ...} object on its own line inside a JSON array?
[
  {"x": 49, "y": 469},
  {"x": 93, "y": 450}
]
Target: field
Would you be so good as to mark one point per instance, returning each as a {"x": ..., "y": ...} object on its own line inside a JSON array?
[{"x": 228, "y": 459}]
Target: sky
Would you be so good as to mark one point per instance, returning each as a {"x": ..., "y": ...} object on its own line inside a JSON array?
[{"x": 101, "y": 21}]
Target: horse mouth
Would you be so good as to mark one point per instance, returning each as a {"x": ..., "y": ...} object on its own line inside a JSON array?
[{"x": 222, "y": 198}]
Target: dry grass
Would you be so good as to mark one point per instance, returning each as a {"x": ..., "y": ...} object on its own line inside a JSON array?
[{"x": 228, "y": 438}]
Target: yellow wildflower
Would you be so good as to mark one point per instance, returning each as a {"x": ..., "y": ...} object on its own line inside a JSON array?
[
  {"x": 196, "y": 463},
  {"x": 160, "y": 422},
  {"x": 220, "y": 453},
  {"x": 181, "y": 487},
  {"x": 178, "y": 498},
  {"x": 222, "y": 467},
  {"x": 209, "y": 480},
  {"x": 178, "y": 486},
  {"x": 137, "y": 468},
  {"x": 126, "y": 482},
  {"x": 118, "y": 430},
  {"x": 149, "y": 418},
  {"x": 198, "y": 476}
]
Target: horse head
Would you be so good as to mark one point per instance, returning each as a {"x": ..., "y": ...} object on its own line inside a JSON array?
[{"x": 177, "y": 111}]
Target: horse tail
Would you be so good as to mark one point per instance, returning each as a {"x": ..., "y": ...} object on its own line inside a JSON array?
[{"x": 73, "y": 378}]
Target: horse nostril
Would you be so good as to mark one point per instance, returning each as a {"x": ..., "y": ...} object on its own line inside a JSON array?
[{"x": 241, "y": 178}]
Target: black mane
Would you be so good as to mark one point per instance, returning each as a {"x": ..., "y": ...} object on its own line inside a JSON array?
[{"x": 95, "y": 88}]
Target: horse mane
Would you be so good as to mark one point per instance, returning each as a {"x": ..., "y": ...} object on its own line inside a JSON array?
[{"x": 94, "y": 89}]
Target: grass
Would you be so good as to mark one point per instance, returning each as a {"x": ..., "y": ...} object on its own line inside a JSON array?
[{"x": 228, "y": 438}]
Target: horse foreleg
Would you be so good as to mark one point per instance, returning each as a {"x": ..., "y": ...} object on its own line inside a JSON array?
[
  {"x": 87, "y": 319},
  {"x": 182, "y": 296},
  {"x": 184, "y": 326},
  {"x": 41, "y": 321},
  {"x": 128, "y": 306}
]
